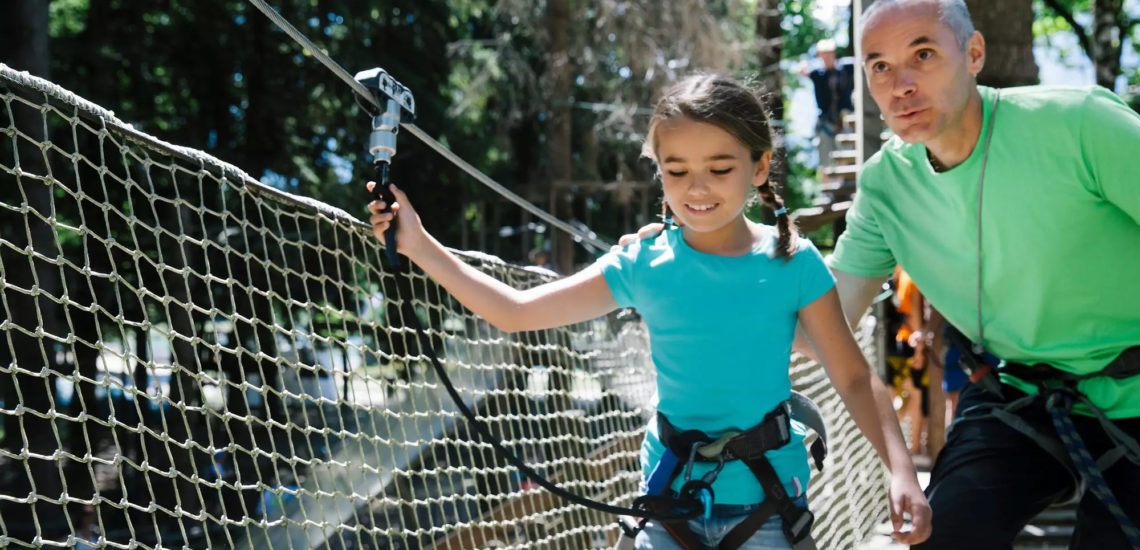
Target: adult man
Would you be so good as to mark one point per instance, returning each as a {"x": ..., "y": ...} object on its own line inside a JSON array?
[
  {"x": 833, "y": 84},
  {"x": 1010, "y": 211},
  {"x": 1018, "y": 215}
]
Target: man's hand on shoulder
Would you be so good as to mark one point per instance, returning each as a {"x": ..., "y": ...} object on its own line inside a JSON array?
[{"x": 646, "y": 232}]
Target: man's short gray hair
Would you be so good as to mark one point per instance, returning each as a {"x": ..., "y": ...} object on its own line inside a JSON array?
[{"x": 952, "y": 12}]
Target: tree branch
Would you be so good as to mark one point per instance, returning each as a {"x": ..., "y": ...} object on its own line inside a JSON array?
[
  {"x": 1067, "y": 15},
  {"x": 1126, "y": 24}
]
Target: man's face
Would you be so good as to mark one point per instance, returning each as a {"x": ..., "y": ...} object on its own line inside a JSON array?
[{"x": 917, "y": 73}]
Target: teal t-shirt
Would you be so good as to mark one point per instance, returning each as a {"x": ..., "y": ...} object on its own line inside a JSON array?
[
  {"x": 1060, "y": 232},
  {"x": 720, "y": 335}
]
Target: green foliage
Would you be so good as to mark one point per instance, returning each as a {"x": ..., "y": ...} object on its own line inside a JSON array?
[
  {"x": 1049, "y": 22},
  {"x": 801, "y": 29},
  {"x": 66, "y": 17},
  {"x": 218, "y": 76},
  {"x": 1048, "y": 25},
  {"x": 1133, "y": 100}
]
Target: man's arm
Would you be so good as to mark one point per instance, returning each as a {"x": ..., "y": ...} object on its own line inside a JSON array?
[
  {"x": 869, "y": 404},
  {"x": 855, "y": 295},
  {"x": 1110, "y": 136}
]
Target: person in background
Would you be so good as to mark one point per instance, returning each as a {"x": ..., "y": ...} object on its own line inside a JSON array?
[{"x": 833, "y": 83}]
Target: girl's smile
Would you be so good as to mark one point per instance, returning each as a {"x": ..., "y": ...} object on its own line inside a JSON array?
[{"x": 700, "y": 209}]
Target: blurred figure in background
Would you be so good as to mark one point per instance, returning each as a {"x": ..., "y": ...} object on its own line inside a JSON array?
[{"x": 833, "y": 83}]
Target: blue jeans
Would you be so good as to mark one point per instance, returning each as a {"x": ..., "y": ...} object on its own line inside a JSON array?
[{"x": 710, "y": 531}]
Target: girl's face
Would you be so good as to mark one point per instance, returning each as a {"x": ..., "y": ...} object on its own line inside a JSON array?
[{"x": 707, "y": 173}]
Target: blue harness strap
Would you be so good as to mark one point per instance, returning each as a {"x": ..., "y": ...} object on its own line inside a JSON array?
[
  {"x": 1059, "y": 389},
  {"x": 1060, "y": 405},
  {"x": 663, "y": 473}
]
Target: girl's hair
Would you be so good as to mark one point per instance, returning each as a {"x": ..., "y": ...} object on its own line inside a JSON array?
[{"x": 734, "y": 108}]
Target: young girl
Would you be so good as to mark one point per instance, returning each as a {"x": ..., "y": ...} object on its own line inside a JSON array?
[{"x": 721, "y": 297}]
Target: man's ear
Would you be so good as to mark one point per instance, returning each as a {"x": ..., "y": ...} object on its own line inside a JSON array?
[{"x": 975, "y": 53}]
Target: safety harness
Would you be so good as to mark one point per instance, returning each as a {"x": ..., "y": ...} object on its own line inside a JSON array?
[
  {"x": 684, "y": 448},
  {"x": 1057, "y": 387},
  {"x": 1059, "y": 390}
]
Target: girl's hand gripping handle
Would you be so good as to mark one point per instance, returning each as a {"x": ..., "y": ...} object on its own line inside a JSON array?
[{"x": 383, "y": 194}]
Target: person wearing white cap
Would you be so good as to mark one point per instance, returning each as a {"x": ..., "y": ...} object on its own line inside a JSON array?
[{"x": 833, "y": 84}]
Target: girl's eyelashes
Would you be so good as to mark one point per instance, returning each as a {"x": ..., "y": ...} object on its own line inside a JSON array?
[{"x": 679, "y": 173}]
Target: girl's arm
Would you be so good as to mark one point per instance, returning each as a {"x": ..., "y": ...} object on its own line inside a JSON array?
[
  {"x": 580, "y": 297},
  {"x": 870, "y": 406},
  {"x": 856, "y": 294}
]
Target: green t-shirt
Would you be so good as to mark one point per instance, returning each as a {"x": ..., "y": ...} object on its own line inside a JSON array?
[{"x": 1060, "y": 233}]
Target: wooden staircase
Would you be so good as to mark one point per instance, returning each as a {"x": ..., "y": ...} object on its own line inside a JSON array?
[{"x": 835, "y": 193}]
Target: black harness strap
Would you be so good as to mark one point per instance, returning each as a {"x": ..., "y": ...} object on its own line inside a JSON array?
[
  {"x": 749, "y": 447},
  {"x": 797, "y": 521},
  {"x": 771, "y": 433},
  {"x": 1049, "y": 378},
  {"x": 1058, "y": 389},
  {"x": 1126, "y": 365}
]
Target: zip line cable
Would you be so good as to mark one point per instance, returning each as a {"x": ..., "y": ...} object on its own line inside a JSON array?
[{"x": 423, "y": 136}]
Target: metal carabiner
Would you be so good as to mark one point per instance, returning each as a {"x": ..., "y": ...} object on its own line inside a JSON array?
[
  {"x": 703, "y": 488},
  {"x": 711, "y": 475}
]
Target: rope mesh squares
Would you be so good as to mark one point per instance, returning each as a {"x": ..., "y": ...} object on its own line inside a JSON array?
[{"x": 191, "y": 359}]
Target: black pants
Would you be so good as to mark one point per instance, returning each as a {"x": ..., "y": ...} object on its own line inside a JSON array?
[{"x": 990, "y": 480}]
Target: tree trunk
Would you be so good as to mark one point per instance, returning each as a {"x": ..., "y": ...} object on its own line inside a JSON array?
[
  {"x": 1008, "y": 29},
  {"x": 257, "y": 154},
  {"x": 559, "y": 157},
  {"x": 24, "y": 44},
  {"x": 770, "y": 45},
  {"x": 1107, "y": 40},
  {"x": 1104, "y": 43},
  {"x": 870, "y": 125},
  {"x": 184, "y": 388}
]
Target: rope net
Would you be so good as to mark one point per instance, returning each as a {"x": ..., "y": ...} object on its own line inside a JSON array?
[{"x": 192, "y": 359}]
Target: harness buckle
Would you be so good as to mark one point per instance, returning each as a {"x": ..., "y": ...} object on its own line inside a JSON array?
[
  {"x": 784, "y": 422},
  {"x": 800, "y": 527},
  {"x": 981, "y": 373},
  {"x": 1060, "y": 396}
]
